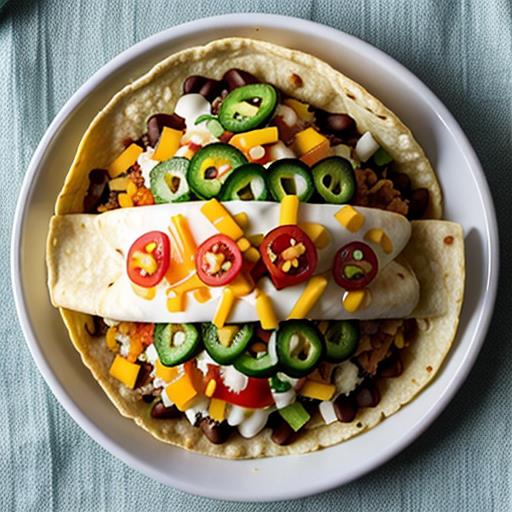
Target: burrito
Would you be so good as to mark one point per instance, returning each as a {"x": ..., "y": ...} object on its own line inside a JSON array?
[{"x": 247, "y": 254}]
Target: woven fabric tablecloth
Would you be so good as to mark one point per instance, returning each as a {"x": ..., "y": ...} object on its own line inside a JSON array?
[{"x": 461, "y": 49}]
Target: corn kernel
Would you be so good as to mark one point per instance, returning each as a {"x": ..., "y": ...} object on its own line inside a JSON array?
[
  {"x": 243, "y": 244},
  {"x": 252, "y": 254},
  {"x": 210, "y": 388},
  {"x": 242, "y": 219}
]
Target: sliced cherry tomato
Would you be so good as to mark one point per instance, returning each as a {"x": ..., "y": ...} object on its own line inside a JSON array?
[
  {"x": 289, "y": 255},
  {"x": 148, "y": 259},
  {"x": 218, "y": 260},
  {"x": 355, "y": 266},
  {"x": 256, "y": 394}
]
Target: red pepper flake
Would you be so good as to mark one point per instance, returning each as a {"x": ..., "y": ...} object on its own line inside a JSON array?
[
  {"x": 429, "y": 369},
  {"x": 400, "y": 275},
  {"x": 448, "y": 240}
]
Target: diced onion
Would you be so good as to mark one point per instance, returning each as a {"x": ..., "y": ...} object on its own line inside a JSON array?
[
  {"x": 327, "y": 411},
  {"x": 366, "y": 146}
]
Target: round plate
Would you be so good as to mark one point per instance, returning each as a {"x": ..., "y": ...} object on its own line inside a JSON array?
[{"x": 467, "y": 201}]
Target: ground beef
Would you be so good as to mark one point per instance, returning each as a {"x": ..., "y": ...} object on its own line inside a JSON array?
[
  {"x": 111, "y": 204},
  {"x": 135, "y": 174},
  {"x": 378, "y": 193}
]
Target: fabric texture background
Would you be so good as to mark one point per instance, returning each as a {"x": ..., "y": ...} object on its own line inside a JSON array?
[{"x": 461, "y": 49}]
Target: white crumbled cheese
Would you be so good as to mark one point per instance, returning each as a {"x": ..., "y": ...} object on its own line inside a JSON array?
[
  {"x": 124, "y": 340},
  {"x": 199, "y": 407},
  {"x": 327, "y": 412},
  {"x": 146, "y": 164},
  {"x": 236, "y": 415},
  {"x": 150, "y": 355},
  {"x": 284, "y": 399},
  {"x": 203, "y": 359},
  {"x": 233, "y": 379},
  {"x": 110, "y": 322},
  {"x": 254, "y": 423},
  {"x": 366, "y": 146},
  {"x": 165, "y": 399},
  {"x": 346, "y": 378}
]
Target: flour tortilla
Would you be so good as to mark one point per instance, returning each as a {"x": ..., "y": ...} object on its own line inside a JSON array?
[
  {"x": 125, "y": 115},
  {"x": 440, "y": 244}
]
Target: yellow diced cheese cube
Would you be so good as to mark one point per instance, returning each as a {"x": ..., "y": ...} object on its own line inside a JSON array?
[
  {"x": 305, "y": 303},
  {"x": 256, "y": 239},
  {"x": 253, "y": 138},
  {"x": 181, "y": 391},
  {"x": 124, "y": 371},
  {"x": 352, "y": 301},
  {"x": 243, "y": 244},
  {"x": 124, "y": 200},
  {"x": 226, "y": 334},
  {"x": 224, "y": 308},
  {"x": 308, "y": 139},
  {"x": 210, "y": 388},
  {"x": 289, "y": 210},
  {"x": 217, "y": 409},
  {"x": 242, "y": 219},
  {"x": 166, "y": 373},
  {"x": 242, "y": 285},
  {"x": 265, "y": 312},
  {"x": 319, "y": 234},
  {"x": 350, "y": 218},
  {"x": 378, "y": 236},
  {"x": 318, "y": 390},
  {"x": 125, "y": 160},
  {"x": 252, "y": 254},
  {"x": 221, "y": 219},
  {"x": 168, "y": 144}
]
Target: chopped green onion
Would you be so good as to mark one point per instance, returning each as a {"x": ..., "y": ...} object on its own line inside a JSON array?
[
  {"x": 204, "y": 117},
  {"x": 295, "y": 415},
  {"x": 382, "y": 157}
]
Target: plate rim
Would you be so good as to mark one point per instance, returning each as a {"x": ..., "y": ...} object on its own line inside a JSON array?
[{"x": 236, "y": 20}]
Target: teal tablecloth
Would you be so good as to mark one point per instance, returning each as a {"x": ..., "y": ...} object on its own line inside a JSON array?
[{"x": 461, "y": 49}]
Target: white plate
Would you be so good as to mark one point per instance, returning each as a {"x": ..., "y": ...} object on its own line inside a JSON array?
[{"x": 467, "y": 201}]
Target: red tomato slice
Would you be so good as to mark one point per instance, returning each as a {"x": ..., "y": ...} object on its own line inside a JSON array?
[
  {"x": 355, "y": 266},
  {"x": 256, "y": 395},
  {"x": 148, "y": 259},
  {"x": 218, "y": 260},
  {"x": 289, "y": 255}
]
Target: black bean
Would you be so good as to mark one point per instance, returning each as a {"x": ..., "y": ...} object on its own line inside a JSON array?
[
  {"x": 211, "y": 89},
  {"x": 282, "y": 433},
  {"x": 100, "y": 327},
  {"x": 341, "y": 125},
  {"x": 193, "y": 84},
  {"x": 418, "y": 203},
  {"x": 402, "y": 183},
  {"x": 367, "y": 395},
  {"x": 217, "y": 433},
  {"x": 144, "y": 375},
  {"x": 160, "y": 412},
  {"x": 98, "y": 190},
  {"x": 157, "y": 122},
  {"x": 345, "y": 408},
  {"x": 235, "y": 78},
  {"x": 391, "y": 367}
]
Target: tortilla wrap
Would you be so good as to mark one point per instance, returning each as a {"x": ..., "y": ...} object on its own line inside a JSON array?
[
  {"x": 125, "y": 115},
  {"x": 440, "y": 244},
  {"x": 87, "y": 264}
]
